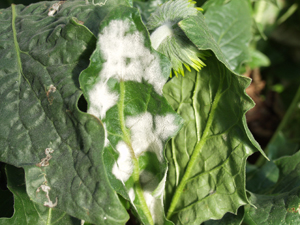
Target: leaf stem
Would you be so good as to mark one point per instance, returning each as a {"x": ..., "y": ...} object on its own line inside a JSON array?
[
  {"x": 13, "y": 25},
  {"x": 195, "y": 153},
  {"x": 49, "y": 217},
  {"x": 136, "y": 168}
]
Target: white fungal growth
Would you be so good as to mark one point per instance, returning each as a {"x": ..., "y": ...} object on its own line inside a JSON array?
[
  {"x": 54, "y": 8},
  {"x": 165, "y": 126},
  {"x": 123, "y": 168},
  {"x": 106, "y": 141},
  {"x": 46, "y": 189},
  {"x": 160, "y": 34},
  {"x": 126, "y": 56},
  {"x": 159, "y": 191},
  {"x": 155, "y": 205},
  {"x": 131, "y": 194},
  {"x": 145, "y": 136},
  {"x": 93, "y": 2},
  {"x": 125, "y": 59},
  {"x": 45, "y": 161},
  {"x": 101, "y": 99}
]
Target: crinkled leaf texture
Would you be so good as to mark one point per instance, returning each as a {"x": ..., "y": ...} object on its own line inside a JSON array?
[
  {"x": 123, "y": 86},
  {"x": 281, "y": 205},
  {"x": 41, "y": 58},
  {"x": 26, "y": 211},
  {"x": 206, "y": 176}
]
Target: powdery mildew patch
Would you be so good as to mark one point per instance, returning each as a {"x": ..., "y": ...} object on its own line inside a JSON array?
[
  {"x": 125, "y": 59},
  {"x": 155, "y": 205},
  {"x": 123, "y": 168},
  {"x": 101, "y": 99},
  {"x": 126, "y": 56},
  {"x": 145, "y": 136},
  {"x": 106, "y": 141}
]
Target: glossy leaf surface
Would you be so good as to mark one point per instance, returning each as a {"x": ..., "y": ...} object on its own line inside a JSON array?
[
  {"x": 123, "y": 86},
  {"x": 41, "y": 58},
  {"x": 207, "y": 158},
  {"x": 230, "y": 26},
  {"x": 197, "y": 31}
]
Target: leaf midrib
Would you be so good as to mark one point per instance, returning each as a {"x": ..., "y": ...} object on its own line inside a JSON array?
[
  {"x": 196, "y": 151},
  {"x": 127, "y": 139}
]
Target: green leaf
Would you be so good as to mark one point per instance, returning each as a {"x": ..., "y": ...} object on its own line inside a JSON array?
[
  {"x": 261, "y": 179},
  {"x": 230, "y": 26},
  {"x": 258, "y": 59},
  {"x": 198, "y": 32},
  {"x": 229, "y": 219},
  {"x": 123, "y": 87},
  {"x": 28, "y": 212},
  {"x": 148, "y": 7},
  {"x": 42, "y": 57},
  {"x": 271, "y": 1},
  {"x": 206, "y": 176},
  {"x": 171, "y": 12},
  {"x": 210, "y": 3},
  {"x": 281, "y": 205},
  {"x": 168, "y": 39}
]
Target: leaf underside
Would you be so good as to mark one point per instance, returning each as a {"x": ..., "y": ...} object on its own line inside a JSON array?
[{"x": 213, "y": 104}]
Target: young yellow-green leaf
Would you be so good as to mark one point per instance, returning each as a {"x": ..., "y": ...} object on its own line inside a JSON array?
[
  {"x": 123, "y": 86},
  {"x": 26, "y": 212},
  {"x": 42, "y": 129},
  {"x": 281, "y": 205},
  {"x": 206, "y": 176}
]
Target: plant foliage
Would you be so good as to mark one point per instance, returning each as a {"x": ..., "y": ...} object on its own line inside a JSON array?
[{"x": 96, "y": 126}]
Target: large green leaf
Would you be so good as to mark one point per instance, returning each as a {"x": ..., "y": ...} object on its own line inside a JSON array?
[
  {"x": 261, "y": 179},
  {"x": 41, "y": 58},
  {"x": 229, "y": 219},
  {"x": 26, "y": 211},
  {"x": 230, "y": 26},
  {"x": 281, "y": 204},
  {"x": 198, "y": 32},
  {"x": 123, "y": 86},
  {"x": 206, "y": 176}
]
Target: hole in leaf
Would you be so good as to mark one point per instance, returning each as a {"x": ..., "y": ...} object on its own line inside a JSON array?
[
  {"x": 82, "y": 104},
  {"x": 6, "y": 196}
]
